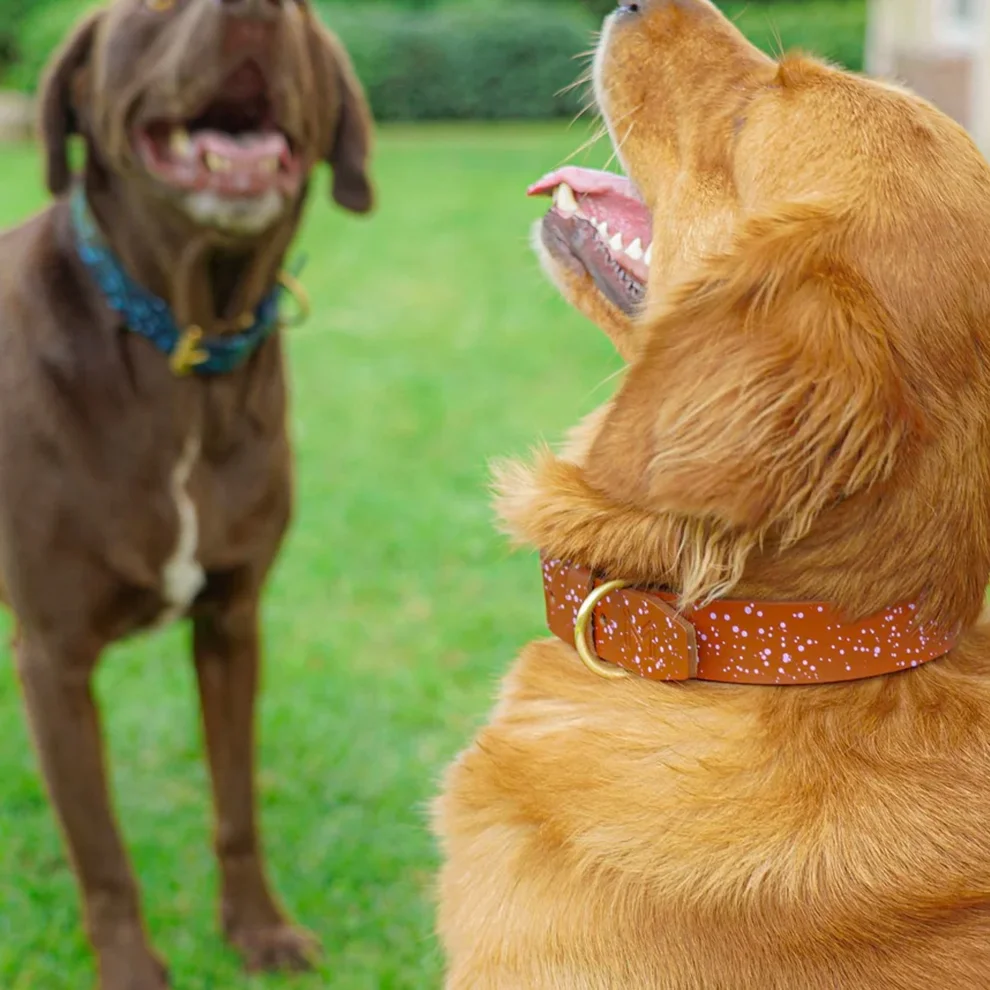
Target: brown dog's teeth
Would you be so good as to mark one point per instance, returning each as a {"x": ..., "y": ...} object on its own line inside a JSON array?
[
  {"x": 215, "y": 163},
  {"x": 180, "y": 144},
  {"x": 648, "y": 257},
  {"x": 635, "y": 250}
]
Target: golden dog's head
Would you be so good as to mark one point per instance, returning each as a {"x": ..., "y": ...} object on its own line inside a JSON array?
[
  {"x": 215, "y": 109},
  {"x": 797, "y": 268}
]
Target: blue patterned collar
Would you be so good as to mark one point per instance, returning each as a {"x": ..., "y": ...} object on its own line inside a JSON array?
[{"x": 150, "y": 316}]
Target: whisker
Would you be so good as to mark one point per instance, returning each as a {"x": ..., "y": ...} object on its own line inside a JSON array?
[
  {"x": 601, "y": 132},
  {"x": 619, "y": 145},
  {"x": 607, "y": 380},
  {"x": 581, "y": 113},
  {"x": 580, "y": 81},
  {"x": 778, "y": 40},
  {"x": 618, "y": 120},
  {"x": 589, "y": 103}
]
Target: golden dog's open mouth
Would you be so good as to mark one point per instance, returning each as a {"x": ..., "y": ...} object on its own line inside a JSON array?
[
  {"x": 599, "y": 222},
  {"x": 232, "y": 147}
]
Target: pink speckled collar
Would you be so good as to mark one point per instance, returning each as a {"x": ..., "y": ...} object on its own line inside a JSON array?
[{"x": 738, "y": 642}]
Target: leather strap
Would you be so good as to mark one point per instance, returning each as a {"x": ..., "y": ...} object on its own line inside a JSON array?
[{"x": 737, "y": 642}]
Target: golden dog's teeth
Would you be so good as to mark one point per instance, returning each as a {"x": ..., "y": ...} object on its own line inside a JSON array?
[
  {"x": 564, "y": 199},
  {"x": 269, "y": 166},
  {"x": 648, "y": 257},
  {"x": 180, "y": 144},
  {"x": 603, "y": 229},
  {"x": 635, "y": 250},
  {"x": 616, "y": 243}
]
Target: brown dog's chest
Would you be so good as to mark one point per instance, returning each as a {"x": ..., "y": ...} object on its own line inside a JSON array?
[
  {"x": 218, "y": 506},
  {"x": 122, "y": 501}
]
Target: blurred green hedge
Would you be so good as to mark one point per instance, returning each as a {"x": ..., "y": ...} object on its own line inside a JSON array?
[
  {"x": 513, "y": 61},
  {"x": 833, "y": 29},
  {"x": 510, "y": 61},
  {"x": 468, "y": 59}
]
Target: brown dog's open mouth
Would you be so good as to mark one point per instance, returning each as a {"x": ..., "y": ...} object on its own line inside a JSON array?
[
  {"x": 232, "y": 148},
  {"x": 598, "y": 221}
]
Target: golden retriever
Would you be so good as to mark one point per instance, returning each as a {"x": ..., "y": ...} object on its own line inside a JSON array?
[{"x": 797, "y": 271}]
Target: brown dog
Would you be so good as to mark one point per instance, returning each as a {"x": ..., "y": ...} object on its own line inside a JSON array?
[
  {"x": 798, "y": 273},
  {"x": 144, "y": 464}
]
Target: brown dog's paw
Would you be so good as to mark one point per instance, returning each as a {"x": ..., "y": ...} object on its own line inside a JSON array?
[
  {"x": 279, "y": 947},
  {"x": 124, "y": 971}
]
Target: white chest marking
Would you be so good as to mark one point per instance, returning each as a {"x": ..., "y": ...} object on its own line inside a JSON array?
[{"x": 182, "y": 576}]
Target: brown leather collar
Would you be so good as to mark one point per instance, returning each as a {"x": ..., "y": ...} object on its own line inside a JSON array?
[{"x": 627, "y": 629}]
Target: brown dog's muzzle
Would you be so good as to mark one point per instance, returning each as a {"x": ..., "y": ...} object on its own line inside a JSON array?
[
  {"x": 249, "y": 25},
  {"x": 238, "y": 135},
  {"x": 264, "y": 10},
  {"x": 218, "y": 108}
]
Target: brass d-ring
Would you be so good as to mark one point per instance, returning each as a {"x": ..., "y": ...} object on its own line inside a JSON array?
[
  {"x": 586, "y": 651},
  {"x": 294, "y": 287}
]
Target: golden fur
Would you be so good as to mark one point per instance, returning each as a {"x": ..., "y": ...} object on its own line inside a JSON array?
[{"x": 806, "y": 415}]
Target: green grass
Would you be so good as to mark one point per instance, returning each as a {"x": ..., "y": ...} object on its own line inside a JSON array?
[{"x": 434, "y": 346}]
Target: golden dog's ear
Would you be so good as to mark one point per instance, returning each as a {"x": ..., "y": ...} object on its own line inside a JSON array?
[
  {"x": 59, "y": 110},
  {"x": 348, "y": 144},
  {"x": 766, "y": 391}
]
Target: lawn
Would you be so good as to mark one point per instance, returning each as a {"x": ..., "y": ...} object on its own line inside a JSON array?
[{"x": 435, "y": 345}]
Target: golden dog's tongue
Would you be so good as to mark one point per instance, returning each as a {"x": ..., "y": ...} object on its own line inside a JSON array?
[{"x": 586, "y": 182}]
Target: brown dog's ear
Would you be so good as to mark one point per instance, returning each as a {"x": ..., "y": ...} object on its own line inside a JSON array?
[
  {"x": 768, "y": 388},
  {"x": 348, "y": 145},
  {"x": 59, "y": 114},
  {"x": 351, "y": 147}
]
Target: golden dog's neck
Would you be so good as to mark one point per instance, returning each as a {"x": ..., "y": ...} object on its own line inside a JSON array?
[{"x": 853, "y": 559}]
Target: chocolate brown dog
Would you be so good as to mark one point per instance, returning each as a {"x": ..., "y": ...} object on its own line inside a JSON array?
[{"x": 145, "y": 470}]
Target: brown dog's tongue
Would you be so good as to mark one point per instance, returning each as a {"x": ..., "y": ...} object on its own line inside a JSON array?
[{"x": 244, "y": 149}]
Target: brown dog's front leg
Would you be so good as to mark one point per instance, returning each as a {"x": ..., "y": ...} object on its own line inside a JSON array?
[
  {"x": 66, "y": 729},
  {"x": 227, "y": 653}
]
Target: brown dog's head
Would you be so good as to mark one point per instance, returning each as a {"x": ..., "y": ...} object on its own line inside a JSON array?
[
  {"x": 797, "y": 268},
  {"x": 218, "y": 108}
]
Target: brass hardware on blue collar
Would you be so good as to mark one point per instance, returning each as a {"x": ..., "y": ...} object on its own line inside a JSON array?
[
  {"x": 144, "y": 313},
  {"x": 294, "y": 287},
  {"x": 188, "y": 355}
]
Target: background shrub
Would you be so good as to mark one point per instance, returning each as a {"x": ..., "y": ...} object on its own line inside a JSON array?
[
  {"x": 510, "y": 61},
  {"x": 40, "y": 29},
  {"x": 833, "y": 29},
  {"x": 12, "y": 13},
  {"x": 483, "y": 62},
  {"x": 468, "y": 59}
]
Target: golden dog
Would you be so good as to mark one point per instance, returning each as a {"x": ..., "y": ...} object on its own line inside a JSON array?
[{"x": 798, "y": 273}]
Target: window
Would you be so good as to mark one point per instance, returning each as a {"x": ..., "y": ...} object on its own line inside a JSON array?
[
  {"x": 966, "y": 11},
  {"x": 959, "y": 23}
]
